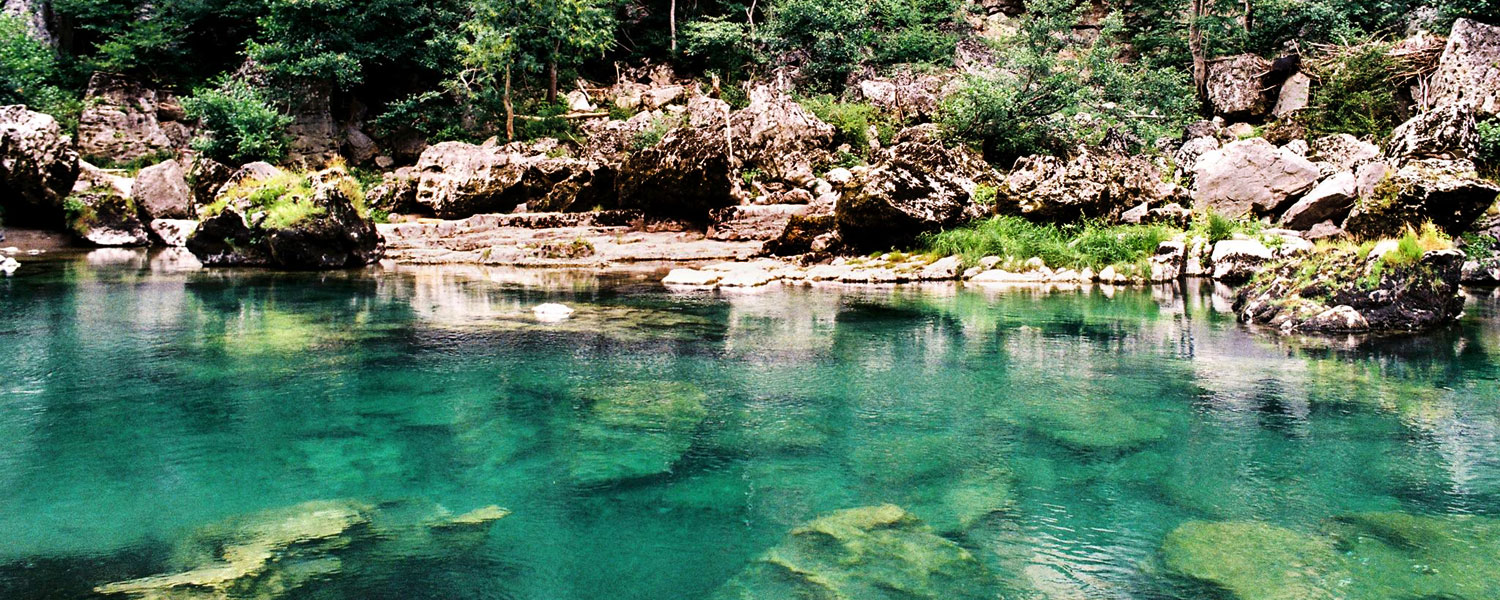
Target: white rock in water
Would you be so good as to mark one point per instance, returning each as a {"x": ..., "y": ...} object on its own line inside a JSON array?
[
  {"x": 9, "y": 266},
  {"x": 552, "y": 312}
]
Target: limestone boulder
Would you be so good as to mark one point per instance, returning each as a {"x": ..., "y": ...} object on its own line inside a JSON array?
[
  {"x": 685, "y": 175},
  {"x": 913, "y": 95},
  {"x": 1343, "y": 152},
  {"x": 1092, "y": 185},
  {"x": 456, "y": 180},
  {"x": 123, "y": 120},
  {"x": 1468, "y": 74},
  {"x": 1340, "y": 297},
  {"x": 1447, "y": 193},
  {"x": 1294, "y": 95},
  {"x": 38, "y": 167},
  {"x": 916, "y": 186},
  {"x": 162, "y": 191},
  {"x": 1331, "y": 199},
  {"x": 1235, "y": 87},
  {"x": 778, "y": 137},
  {"x": 1447, "y": 131},
  {"x": 758, "y": 222},
  {"x": 1251, "y": 177},
  {"x": 1236, "y": 261},
  {"x": 313, "y": 225}
]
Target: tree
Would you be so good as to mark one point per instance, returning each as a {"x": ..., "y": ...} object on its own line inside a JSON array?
[
  {"x": 241, "y": 126},
  {"x": 536, "y": 35}
]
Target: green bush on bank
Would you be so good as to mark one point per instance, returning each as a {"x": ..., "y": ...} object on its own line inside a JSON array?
[
  {"x": 1091, "y": 244},
  {"x": 1356, "y": 92},
  {"x": 28, "y": 74},
  {"x": 241, "y": 126}
]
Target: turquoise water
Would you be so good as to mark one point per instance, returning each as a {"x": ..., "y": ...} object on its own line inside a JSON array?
[{"x": 656, "y": 443}]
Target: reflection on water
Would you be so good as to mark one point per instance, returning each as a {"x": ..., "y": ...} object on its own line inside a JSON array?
[{"x": 1021, "y": 443}]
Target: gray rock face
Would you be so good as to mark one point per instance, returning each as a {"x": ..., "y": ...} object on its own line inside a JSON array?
[
  {"x": 685, "y": 175},
  {"x": 102, "y": 216},
  {"x": 207, "y": 176},
  {"x": 913, "y": 95},
  {"x": 34, "y": 13},
  {"x": 123, "y": 120},
  {"x": 162, "y": 191},
  {"x": 753, "y": 222},
  {"x": 333, "y": 236},
  {"x": 1188, "y": 154},
  {"x": 173, "y": 233},
  {"x": 1236, "y": 261},
  {"x": 1331, "y": 199},
  {"x": 314, "y": 135},
  {"x": 1344, "y": 152},
  {"x": 780, "y": 138},
  {"x": 1447, "y": 131},
  {"x": 1251, "y": 177},
  {"x": 1234, "y": 86},
  {"x": 37, "y": 167},
  {"x": 1294, "y": 95},
  {"x": 1468, "y": 73},
  {"x": 1088, "y": 186},
  {"x": 456, "y": 180},
  {"x": 1446, "y": 192},
  {"x": 918, "y": 186},
  {"x": 1422, "y": 295}
]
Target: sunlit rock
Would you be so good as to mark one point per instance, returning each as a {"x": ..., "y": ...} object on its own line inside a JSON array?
[
  {"x": 870, "y": 553},
  {"x": 631, "y": 430}
]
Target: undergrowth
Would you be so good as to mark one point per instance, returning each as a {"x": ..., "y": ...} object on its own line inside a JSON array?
[{"x": 1090, "y": 245}]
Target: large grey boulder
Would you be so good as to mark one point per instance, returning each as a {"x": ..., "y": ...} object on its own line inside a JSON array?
[
  {"x": 1344, "y": 152},
  {"x": 1294, "y": 96},
  {"x": 101, "y": 212},
  {"x": 1088, "y": 186},
  {"x": 333, "y": 234},
  {"x": 122, "y": 121},
  {"x": 1236, "y": 261},
  {"x": 1235, "y": 87},
  {"x": 37, "y": 167},
  {"x": 685, "y": 175},
  {"x": 1251, "y": 177},
  {"x": 162, "y": 191},
  {"x": 1447, "y": 193},
  {"x": 456, "y": 180},
  {"x": 778, "y": 137},
  {"x": 1331, "y": 199},
  {"x": 913, "y": 95},
  {"x": 917, "y": 186},
  {"x": 1348, "y": 293},
  {"x": 1447, "y": 131},
  {"x": 1468, "y": 74}
]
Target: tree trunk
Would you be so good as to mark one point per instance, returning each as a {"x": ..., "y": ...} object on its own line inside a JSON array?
[
  {"x": 510, "y": 110},
  {"x": 1200, "y": 62},
  {"x": 552, "y": 82},
  {"x": 672, "y": 23}
]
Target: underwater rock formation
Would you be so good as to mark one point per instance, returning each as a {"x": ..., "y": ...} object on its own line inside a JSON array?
[{"x": 871, "y": 553}]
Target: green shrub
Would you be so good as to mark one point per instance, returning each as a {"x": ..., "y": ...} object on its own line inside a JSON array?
[
  {"x": 831, "y": 33},
  {"x": 1215, "y": 227},
  {"x": 654, "y": 132},
  {"x": 719, "y": 43},
  {"x": 851, "y": 120},
  {"x": 1488, "y": 153},
  {"x": 29, "y": 74},
  {"x": 1077, "y": 246},
  {"x": 241, "y": 126},
  {"x": 1356, "y": 92},
  {"x": 547, "y": 122},
  {"x": 918, "y": 45}
]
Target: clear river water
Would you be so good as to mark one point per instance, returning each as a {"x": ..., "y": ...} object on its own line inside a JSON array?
[{"x": 1075, "y": 444}]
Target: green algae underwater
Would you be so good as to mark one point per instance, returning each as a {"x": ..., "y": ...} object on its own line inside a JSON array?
[{"x": 416, "y": 433}]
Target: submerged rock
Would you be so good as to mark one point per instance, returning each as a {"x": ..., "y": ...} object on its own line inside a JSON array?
[
  {"x": 285, "y": 221},
  {"x": 1343, "y": 290},
  {"x": 278, "y": 553},
  {"x": 869, "y": 553},
  {"x": 633, "y": 430},
  {"x": 1365, "y": 556},
  {"x": 37, "y": 167}
]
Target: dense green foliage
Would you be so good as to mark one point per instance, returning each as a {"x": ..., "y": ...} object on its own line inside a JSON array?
[
  {"x": 29, "y": 72},
  {"x": 241, "y": 125},
  {"x": 468, "y": 69},
  {"x": 1048, "y": 95},
  {"x": 1489, "y": 146}
]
